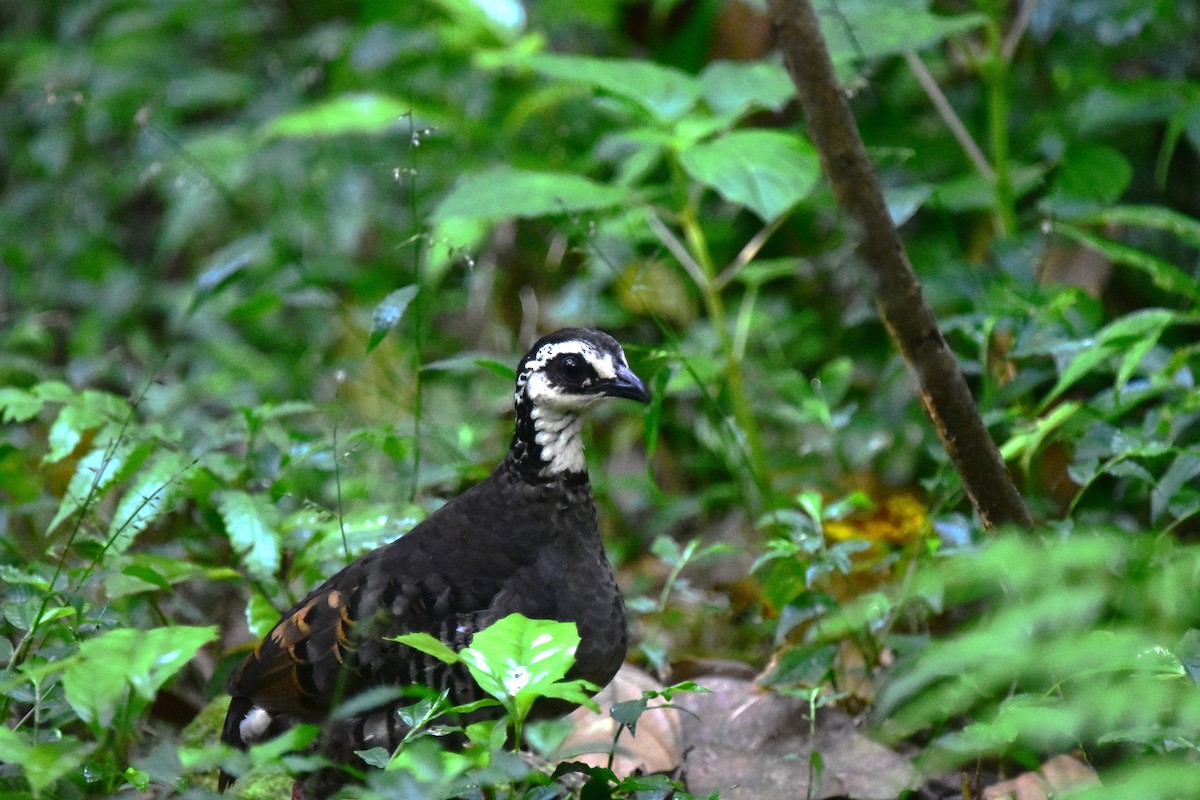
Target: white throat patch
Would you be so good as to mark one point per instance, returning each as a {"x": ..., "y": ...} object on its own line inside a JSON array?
[
  {"x": 555, "y": 414},
  {"x": 559, "y": 435}
]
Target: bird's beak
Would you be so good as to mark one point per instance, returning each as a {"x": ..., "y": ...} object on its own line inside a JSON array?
[{"x": 625, "y": 384}]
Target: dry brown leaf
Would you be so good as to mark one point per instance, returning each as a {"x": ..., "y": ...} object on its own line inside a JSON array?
[{"x": 658, "y": 745}]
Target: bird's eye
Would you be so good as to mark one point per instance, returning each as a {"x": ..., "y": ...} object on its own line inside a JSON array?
[{"x": 572, "y": 368}]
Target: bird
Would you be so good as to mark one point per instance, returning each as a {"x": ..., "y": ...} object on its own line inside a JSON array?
[{"x": 524, "y": 540}]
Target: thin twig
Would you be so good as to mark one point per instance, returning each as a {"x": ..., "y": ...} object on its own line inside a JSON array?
[
  {"x": 748, "y": 252},
  {"x": 1017, "y": 31},
  {"x": 678, "y": 249},
  {"x": 948, "y": 115}
]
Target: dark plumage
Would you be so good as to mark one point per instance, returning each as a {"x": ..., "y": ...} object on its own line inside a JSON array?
[{"x": 523, "y": 540}]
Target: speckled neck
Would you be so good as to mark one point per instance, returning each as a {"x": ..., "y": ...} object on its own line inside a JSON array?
[{"x": 548, "y": 443}]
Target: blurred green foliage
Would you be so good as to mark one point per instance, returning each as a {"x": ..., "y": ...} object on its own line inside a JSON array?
[{"x": 265, "y": 268}]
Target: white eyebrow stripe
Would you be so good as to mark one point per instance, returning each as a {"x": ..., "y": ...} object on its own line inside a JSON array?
[{"x": 603, "y": 363}]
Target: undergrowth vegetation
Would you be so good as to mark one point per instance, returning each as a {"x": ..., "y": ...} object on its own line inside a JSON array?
[{"x": 265, "y": 269}]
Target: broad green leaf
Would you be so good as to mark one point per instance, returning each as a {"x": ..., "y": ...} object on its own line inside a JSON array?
[
  {"x": 363, "y": 113},
  {"x": 146, "y": 499},
  {"x": 93, "y": 475},
  {"x": 516, "y": 659},
  {"x": 18, "y": 405},
  {"x": 141, "y": 660},
  {"x": 1162, "y": 273},
  {"x": 503, "y": 192},
  {"x": 665, "y": 92},
  {"x": 804, "y": 665},
  {"x": 45, "y": 762},
  {"x": 731, "y": 88},
  {"x": 67, "y": 431},
  {"x": 249, "y": 521},
  {"x": 261, "y": 615},
  {"x": 855, "y": 30},
  {"x": 134, "y": 580},
  {"x": 14, "y": 576},
  {"x": 576, "y": 691},
  {"x": 388, "y": 313},
  {"x": 53, "y": 392},
  {"x": 765, "y": 171},
  {"x": 1089, "y": 175}
]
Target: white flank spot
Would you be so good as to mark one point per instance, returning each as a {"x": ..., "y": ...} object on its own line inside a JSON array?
[{"x": 254, "y": 725}]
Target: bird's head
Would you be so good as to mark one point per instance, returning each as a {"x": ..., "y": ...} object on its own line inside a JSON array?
[{"x": 563, "y": 374}]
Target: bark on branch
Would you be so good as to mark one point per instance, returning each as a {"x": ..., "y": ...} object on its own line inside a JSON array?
[{"x": 908, "y": 318}]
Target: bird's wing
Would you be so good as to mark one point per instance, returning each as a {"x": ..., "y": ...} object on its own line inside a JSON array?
[
  {"x": 437, "y": 578},
  {"x": 301, "y": 664}
]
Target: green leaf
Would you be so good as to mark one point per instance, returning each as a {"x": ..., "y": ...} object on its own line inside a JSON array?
[
  {"x": 44, "y": 763},
  {"x": 95, "y": 472},
  {"x": 1089, "y": 175},
  {"x": 53, "y": 392},
  {"x": 806, "y": 666},
  {"x": 765, "y": 171},
  {"x": 261, "y": 615},
  {"x": 731, "y": 88},
  {"x": 1028, "y": 438},
  {"x": 517, "y": 659},
  {"x": 855, "y": 30},
  {"x": 1183, "y": 469},
  {"x": 1161, "y": 272},
  {"x": 904, "y": 201},
  {"x": 134, "y": 579},
  {"x": 1132, "y": 336},
  {"x": 148, "y": 572},
  {"x": 575, "y": 691},
  {"x": 503, "y": 192},
  {"x": 232, "y": 259},
  {"x": 351, "y": 114},
  {"x": 972, "y": 192},
  {"x": 146, "y": 499},
  {"x": 388, "y": 313},
  {"x": 141, "y": 660},
  {"x": 1185, "y": 228},
  {"x": 429, "y": 645},
  {"x": 17, "y": 405},
  {"x": 502, "y": 19},
  {"x": 665, "y": 92},
  {"x": 137, "y": 779},
  {"x": 249, "y": 521},
  {"x": 1188, "y": 651},
  {"x": 72, "y": 422}
]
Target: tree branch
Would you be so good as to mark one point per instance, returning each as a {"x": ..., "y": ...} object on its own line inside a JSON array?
[{"x": 908, "y": 318}]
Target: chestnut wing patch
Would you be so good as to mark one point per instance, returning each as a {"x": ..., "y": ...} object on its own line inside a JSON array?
[{"x": 298, "y": 666}]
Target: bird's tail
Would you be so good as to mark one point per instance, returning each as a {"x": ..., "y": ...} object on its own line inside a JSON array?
[{"x": 231, "y": 734}]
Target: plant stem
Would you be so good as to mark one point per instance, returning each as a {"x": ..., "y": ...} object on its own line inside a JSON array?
[
  {"x": 995, "y": 76},
  {"x": 714, "y": 305}
]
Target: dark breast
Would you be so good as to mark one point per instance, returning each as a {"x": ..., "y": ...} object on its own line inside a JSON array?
[{"x": 506, "y": 545}]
